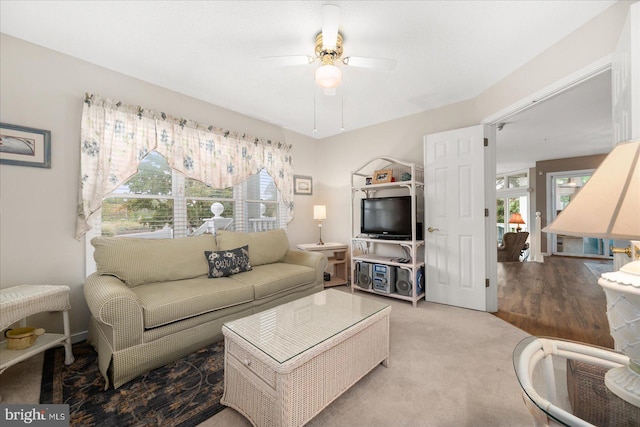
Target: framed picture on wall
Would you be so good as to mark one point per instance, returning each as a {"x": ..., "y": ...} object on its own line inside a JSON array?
[
  {"x": 23, "y": 146},
  {"x": 302, "y": 185}
]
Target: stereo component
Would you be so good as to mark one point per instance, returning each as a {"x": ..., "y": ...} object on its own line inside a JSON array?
[
  {"x": 363, "y": 274},
  {"x": 404, "y": 282},
  {"x": 384, "y": 278},
  {"x": 420, "y": 281}
]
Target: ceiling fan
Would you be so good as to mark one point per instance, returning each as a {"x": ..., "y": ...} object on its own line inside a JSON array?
[{"x": 328, "y": 51}]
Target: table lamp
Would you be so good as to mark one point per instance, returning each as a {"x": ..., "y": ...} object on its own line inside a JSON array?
[
  {"x": 608, "y": 207},
  {"x": 320, "y": 213},
  {"x": 516, "y": 218}
]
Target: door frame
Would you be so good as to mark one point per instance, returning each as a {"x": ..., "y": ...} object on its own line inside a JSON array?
[
  {"x": 573, "y": 79},
  {"x": 583, "y": 74},
  {"x": 594, "y": 69}
]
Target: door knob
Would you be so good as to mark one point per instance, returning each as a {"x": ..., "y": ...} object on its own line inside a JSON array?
[{"x": 431, "y": 229}]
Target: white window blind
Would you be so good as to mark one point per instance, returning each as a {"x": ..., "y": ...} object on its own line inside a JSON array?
[{"x": 158, "y": 202}]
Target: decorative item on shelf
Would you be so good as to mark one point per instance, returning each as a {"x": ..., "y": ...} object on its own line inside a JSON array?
[
  {"x": 320, "y": 213},
  {"x": 607, "y": 208},
  {"x": 21, "y": 338},
  {"x": 516, "y": 218},
  {"x": 382, "y": 176},
  {"x": 406, "y": 176},
  {"x": 368, "y": 180}
]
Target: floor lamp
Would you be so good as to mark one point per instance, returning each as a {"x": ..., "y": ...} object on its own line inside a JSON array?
[{"x": 608, "y": 207}]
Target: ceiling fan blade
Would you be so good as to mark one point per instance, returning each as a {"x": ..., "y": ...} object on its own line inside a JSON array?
[
  {"x": 330, "y": 19},
  {"x": 287, "y": 60},
  {"x": 383, "y": 64}
]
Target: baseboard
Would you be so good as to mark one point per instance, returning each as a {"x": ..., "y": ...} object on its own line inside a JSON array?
[{"x": 80, "y": 336}]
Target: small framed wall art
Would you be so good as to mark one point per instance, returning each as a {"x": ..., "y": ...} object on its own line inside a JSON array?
[
  {"x": 302, "y": 185},
  {"x": 381, "y": 176},
  {"x": 23, "y": 146}
]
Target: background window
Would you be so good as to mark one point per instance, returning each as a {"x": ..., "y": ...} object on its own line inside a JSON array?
[{"x": 519, "y": 181}]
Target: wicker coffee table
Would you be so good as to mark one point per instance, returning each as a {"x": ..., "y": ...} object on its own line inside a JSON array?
[{"x": 284, "y": 365}]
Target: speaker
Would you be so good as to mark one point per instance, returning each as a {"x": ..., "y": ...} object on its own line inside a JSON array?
[
  {"x": 363, "y": 274},
  {"x": 420, "y": 281},
  {"x": 404, "y": 282},
  {"x": 384, "y": 278}
]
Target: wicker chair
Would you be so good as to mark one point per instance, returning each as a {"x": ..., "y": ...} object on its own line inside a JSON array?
[{"x": 512, "y": 246}]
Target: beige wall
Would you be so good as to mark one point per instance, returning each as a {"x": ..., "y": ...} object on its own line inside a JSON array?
[{"x": 44, "y": 89}]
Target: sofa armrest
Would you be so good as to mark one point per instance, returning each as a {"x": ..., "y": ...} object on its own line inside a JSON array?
[
  {"x": 315, "y": 260},
  {"x": 113, "y": 303}
]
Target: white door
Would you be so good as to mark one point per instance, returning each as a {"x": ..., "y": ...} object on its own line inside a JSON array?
[
  {"x": 625, "y": 92},
  {"x": 460, "y": 242}
]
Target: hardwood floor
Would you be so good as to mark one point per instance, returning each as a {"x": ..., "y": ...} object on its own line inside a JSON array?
[{"x": 558, "y": 298}]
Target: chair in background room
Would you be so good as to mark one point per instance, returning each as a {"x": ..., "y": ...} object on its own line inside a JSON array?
[{"x": 512, "y": 246}]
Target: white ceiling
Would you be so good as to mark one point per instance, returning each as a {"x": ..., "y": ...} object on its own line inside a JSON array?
[{"x": 446, "y": 51}]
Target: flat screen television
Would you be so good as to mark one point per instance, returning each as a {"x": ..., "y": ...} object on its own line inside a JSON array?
[{"x": 386, "y": 217}]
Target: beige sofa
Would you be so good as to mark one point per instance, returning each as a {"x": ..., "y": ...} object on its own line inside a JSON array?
[{"x": 152, "y": 300}]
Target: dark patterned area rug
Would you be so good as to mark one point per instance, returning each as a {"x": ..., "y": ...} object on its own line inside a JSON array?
[{"x": 182, "y": 393}]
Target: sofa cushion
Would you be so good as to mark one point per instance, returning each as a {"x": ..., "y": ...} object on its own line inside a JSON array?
[
  {"x": 265, "y": 247},
  {"x": 226, "y": 263},
  {"x": 138, "y": 261},
  {"x": 166, "y": 302},
  {"x": 270, "y": 279}
]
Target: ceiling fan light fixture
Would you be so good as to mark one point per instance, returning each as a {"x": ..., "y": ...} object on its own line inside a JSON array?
[{"x": 328, "y": 76}]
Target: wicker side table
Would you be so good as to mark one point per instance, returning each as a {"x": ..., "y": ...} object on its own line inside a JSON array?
[{"x": 18, "y": 302}]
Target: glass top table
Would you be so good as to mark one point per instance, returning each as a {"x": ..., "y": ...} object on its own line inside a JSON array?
[
  {"x": 563, "y": 383},
  {"x": 290, "y": 329}
]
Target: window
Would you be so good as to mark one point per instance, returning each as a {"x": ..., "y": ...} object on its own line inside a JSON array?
[
  {"x": 512, "y": 197},
  {"x": 519, "y": 180},
  {"x": 158, "y": 202},
  {"x": 564, "y": 187}
]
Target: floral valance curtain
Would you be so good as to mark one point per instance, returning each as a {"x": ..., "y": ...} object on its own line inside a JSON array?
[{"x": 115, "y": 137}]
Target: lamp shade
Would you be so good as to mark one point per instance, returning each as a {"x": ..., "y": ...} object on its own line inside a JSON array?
[
  {"x": 328, "y": 76},
  {"x": 608, "y": 206},
  {"x": 516, "y": 218},
  {"x": 319, "y": 212}
]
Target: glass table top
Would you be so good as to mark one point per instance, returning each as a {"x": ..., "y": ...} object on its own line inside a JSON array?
[
  {"x": 289, "y": 329},
  {"x": 571, "y": 389}
]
